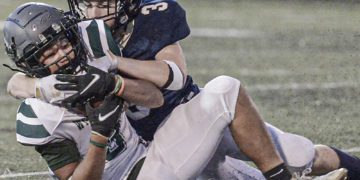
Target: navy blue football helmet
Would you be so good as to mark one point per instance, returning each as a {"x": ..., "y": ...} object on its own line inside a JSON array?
[{"x": 125, "y": 10}]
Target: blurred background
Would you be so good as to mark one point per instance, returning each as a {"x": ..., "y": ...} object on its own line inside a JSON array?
[{"x": 298, "y": 59}]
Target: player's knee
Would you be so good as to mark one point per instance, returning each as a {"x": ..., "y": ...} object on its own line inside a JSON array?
[
  {"x": 297, "y": 151},
  {"x": 325, "y": 160},
  {"x": 222, "y": 85},
  {"x": 223, "y": 90}
]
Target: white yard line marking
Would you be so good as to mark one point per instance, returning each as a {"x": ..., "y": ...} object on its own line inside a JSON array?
[
  {"x": 352, "y": 150},
  {"x": 224, "y": 33},
  {"x": 269, "y": 72},
  {"x": 302, "y": 86},
  {"x": 256, "y": 73},
  {"x": 24, "y": 174}
]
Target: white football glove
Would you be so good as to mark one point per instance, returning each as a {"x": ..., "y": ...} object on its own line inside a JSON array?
[{"x": 45, "y": 90}]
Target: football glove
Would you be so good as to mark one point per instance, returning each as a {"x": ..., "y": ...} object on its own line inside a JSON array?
[
  {"x": 94, "y": 84},
  {"x": 45, "y": 91},
  {"x": 104, "y": 118}
]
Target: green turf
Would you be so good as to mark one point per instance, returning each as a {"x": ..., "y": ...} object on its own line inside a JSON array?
[{"x": 295, "y": 42}]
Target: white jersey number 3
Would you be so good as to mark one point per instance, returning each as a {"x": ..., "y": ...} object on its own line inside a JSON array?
[{"x": 154, "y": 7}]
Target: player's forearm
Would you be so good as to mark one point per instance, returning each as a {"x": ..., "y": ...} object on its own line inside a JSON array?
[
  {"x": 92, "y": 166},
  {"x": 156, "y": 72},
  {"x": 142, "y": 93},
  {"x": 21, "y": 86}
]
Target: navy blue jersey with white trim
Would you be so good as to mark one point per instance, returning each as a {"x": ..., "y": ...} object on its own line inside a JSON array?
[{"x": 159, "y": 24}]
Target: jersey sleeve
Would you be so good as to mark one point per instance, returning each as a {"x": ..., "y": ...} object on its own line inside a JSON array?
[
  {"x": 36, "y": 121},
  {"x": 29, "y": 129},
  {"x": 59, "y": 154},
  {"x": 158, "y": 25},
  {"x": 98, "y": 40}
]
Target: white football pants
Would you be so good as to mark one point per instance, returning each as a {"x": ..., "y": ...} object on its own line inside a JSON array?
[{"x": 186, "y": 142}]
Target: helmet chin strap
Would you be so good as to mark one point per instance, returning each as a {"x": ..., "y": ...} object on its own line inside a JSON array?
[{"x": 14, "y": 69}]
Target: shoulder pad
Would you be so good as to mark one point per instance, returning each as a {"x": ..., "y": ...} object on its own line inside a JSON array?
[
  {"x": 164, "y": 17},
  {"x": 167, "y": 22}
]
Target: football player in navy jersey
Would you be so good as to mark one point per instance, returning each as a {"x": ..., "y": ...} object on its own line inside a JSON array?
[{"x": 150, "y": 30}]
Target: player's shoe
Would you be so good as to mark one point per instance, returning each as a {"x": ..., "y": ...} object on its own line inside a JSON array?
[{"x": 339, "y": 174}]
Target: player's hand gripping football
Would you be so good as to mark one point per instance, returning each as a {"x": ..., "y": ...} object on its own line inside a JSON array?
[
  {"x": 105, "y": 117},
  {"x": 94, "y": 84}
]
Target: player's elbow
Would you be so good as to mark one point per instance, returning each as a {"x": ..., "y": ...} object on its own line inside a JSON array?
[
  {"x": 155, "y": 99},
  {"x": 19, "y": 86},
  {"x": 176, "y": 79},
  {"x": 12, "y": 88},
  {"x": 9, "y": 88}
]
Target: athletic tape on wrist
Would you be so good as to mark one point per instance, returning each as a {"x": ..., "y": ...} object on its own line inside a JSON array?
[
  {"x": 97, "y": 144},
  {"x": 118, "y": 85},
  {"x": 176, "y": 78},
  {"x": 114, "y": 63},
  {"x": 38, "y": 93},
  {"x": 121, "y": 91}
]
